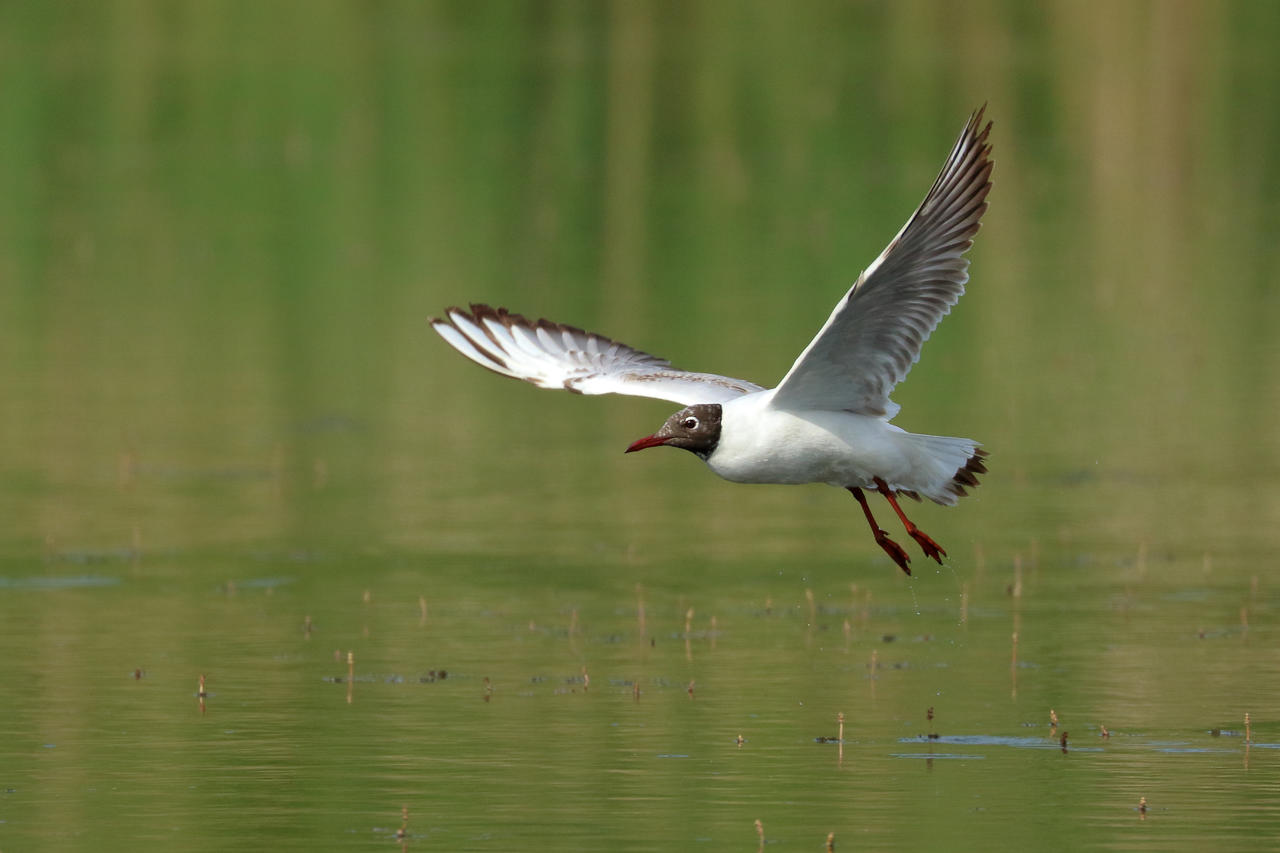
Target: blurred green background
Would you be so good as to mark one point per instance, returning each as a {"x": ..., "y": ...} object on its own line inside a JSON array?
[{"x": 223, "y": 227}]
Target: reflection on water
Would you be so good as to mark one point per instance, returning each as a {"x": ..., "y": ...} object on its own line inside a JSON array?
[
  {"x": 436, "y": 609},
  {"x": 332, "y": 704}
]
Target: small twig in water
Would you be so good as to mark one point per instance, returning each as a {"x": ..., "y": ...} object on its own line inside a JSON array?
[{"x": 640, "y": 609}]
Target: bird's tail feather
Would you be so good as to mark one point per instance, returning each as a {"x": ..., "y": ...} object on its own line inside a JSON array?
[{"x": 953, "y": 465}]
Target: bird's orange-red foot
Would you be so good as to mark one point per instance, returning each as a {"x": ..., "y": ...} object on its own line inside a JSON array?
[
  {"x": 930, "y": 548},
  {"x": 924, "y": 540},
  {"x": 893, "y": 549}
]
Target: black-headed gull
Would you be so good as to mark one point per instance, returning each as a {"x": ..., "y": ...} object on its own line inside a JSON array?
[{"x": 827, "y": 421}]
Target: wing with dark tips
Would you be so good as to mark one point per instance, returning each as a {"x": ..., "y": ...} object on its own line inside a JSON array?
[
  {"x": 553, "y": 355},
  {"x": 874, "y": 335}
]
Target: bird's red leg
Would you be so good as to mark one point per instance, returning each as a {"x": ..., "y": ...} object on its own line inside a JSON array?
[
  {"x": 893, "y": 549},
  {"x": 931, "y": 548}
]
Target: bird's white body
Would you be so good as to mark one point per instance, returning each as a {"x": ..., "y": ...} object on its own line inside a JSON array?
[{"x": 760, "y": 443}]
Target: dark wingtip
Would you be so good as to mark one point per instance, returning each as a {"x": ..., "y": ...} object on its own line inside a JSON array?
[
  {"x": 448, "y": 312},
  {"x": 975, "y": 123}
]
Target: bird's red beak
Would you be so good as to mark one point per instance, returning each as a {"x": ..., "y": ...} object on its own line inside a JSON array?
[{"x": 646, "y": 442}]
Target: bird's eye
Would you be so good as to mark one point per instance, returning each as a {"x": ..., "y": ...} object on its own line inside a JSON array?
[{"x": 690, "y": 423}]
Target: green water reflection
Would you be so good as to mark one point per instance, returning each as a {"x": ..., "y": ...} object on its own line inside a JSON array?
[{"x": 223, "y": 227}]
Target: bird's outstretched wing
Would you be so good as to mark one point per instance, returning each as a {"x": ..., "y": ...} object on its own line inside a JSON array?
[
  {"x": 553, "y": 355},
  {"x": 874, "y": 335}
]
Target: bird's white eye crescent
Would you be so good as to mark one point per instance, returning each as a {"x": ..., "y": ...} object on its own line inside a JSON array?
[{"x": 689, "y": 423}]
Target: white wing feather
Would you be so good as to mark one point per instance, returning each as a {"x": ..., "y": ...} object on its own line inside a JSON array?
[
  {"x": 874, "y": 335},
  {"x": 553, "y": 355}
]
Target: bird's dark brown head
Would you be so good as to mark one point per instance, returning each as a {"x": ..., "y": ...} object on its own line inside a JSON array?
[{"x": 695, "y": 429}]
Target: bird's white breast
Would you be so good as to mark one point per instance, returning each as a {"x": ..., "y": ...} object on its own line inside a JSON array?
[{"x": 762, "y": 444}]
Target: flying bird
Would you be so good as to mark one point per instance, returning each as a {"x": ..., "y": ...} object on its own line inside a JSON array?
[{"x": 828, "y": 420}]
